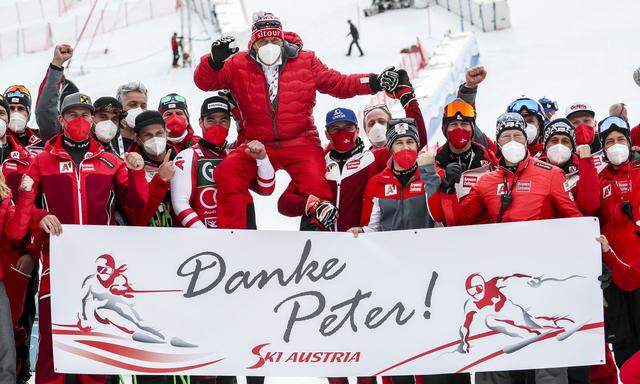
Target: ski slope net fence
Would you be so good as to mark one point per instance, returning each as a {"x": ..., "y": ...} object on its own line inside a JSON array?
[{"x": 50, "y": 24}]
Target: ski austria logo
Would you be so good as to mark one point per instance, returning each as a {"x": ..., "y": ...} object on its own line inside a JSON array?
[
  {"x": 306, "y": 357},
  {"x": 110, "y": 330}
]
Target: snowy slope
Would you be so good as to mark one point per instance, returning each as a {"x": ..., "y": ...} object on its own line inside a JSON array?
[{"x": 567, "y": 50}]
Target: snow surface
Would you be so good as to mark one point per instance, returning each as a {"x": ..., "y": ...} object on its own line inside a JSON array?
[{"x": 566, "y": 50}]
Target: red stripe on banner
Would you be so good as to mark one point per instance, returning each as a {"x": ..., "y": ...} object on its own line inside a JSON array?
[
  {"x": 139, "y": 354},
  {"x": 436, "y": 349},
  {"x": 545, "y": 337},
  {"x": 85, "y": 333},
  {"x": 127, "y": 366},
  {"x": 475, "y": 337}
]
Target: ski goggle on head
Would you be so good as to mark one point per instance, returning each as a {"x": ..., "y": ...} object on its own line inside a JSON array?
[
  {"x": 613, "y": 122},
  {"x": 173, "y": 99},
  {"x": 528, "y": 105},
  {"x": 382, "y": 107},
  {"x": 17, "y": 88},
  {"x": 459, "y": 109}
]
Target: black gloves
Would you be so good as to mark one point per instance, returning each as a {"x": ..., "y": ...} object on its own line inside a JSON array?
[
  {"x": 323, "y": 214},
  {"x": 453, "y": 172},
  {"x": 605, "y": 278},
  {"x": 387, "y": 80},
  {"x": 221, "y": 50}
]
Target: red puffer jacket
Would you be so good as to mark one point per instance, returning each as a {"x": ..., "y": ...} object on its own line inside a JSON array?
[
  {"x": 289, "y": 120},
  {"x": 14, "y": 223},
  {"x": 16, "y": 164}
]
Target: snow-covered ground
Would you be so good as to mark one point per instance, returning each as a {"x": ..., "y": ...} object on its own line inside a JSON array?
[{"x": 567, "y": 50}]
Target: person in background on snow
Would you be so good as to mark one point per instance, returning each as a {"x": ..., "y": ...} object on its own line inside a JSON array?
[
  {"x": 151, "y": 143},
  {"x": 74, "y": 156},
  {"x": 535, "y": 118},
  {"x": 355, "y": 36},
  {"x": 134, "y": 97},
  {"x": 576, "y": 163},
  {"x": 107, "y": 117},
  {"x": 277, "y": 111},
  {"x": 19, "y": 99},
  {"x": 549, "y": 106},
  {"x": 618, "y": 212},
  {"x": 175, "y": 49},
  {"x": 194, "y": 197},
  {"x": 175, "y": 112},
  {"x": 583, "y": 117}
]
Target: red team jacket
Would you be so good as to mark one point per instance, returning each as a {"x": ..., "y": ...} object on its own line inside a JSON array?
[
  {"x": 537, "y": 189},
  {"x": 84, "y": 194},
  {"x": 16, "y": 164},
  {"x": 289, "y": 120}
]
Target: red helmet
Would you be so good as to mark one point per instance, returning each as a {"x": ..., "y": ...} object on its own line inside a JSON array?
[
  {"x": 475, "y": 285},
  {"x": 105, "y": 264}
]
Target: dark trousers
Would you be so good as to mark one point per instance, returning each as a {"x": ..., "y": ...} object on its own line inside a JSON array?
[
  {"x": 622, "y": 322},
  {"x": 176, "y": 57},
  {"x": 354, "y": 41},
  {"x": 453, "y": 378}
]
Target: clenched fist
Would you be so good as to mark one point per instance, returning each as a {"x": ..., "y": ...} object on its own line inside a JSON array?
[
  {"x": 256, "y": 150},
  {"x": 475, "y": 76},
  {"x": 26, "y": 184},
  {"x": 133, "y": 161},
  {"x": 61, "y": 54}
]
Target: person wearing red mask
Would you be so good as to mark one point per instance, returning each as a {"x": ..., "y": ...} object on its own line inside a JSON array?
[
  {"x": 583, "y": 117},
  {"x": 463, "y": 160},
  {"x": 176, "y": 118},
  {"x": 75, "y": 178},
  {"x": 275, "y": 83},
  {"x": 195, "y": 183},
  {"x": 535, "y": 119}
]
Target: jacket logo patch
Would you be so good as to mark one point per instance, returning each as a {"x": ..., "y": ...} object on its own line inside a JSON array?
[
  {"x": 500, "y": 190},
  {"x": 469, "y": 181},
  {"x": 625, "y": 186},
  {"x": 597, "y": 161},
  {"x": 542, "y": 165},
  {"x": 353, "y": 164},
  {"x": 10, "y": 166},
  {"x": 33, "y": 139},
  {"x": 15, "y": 155},
  {"x": 390, "y": 189},
  {"x": 179, "y": 164},
  {"x": 523, "y": 186},
  {"x": 66, "y": 167},
  {"x": 110, "y": 164},
  {"x": 606, "y": 191},
  {"x": 415, "y": 187},
  {"x": 87, "y": 167}
]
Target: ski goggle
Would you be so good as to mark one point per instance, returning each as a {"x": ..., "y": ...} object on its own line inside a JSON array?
[
  {"x": 374, "y": 107},
  {"x": 173, "y": 99},
  {"x": 18, "y": 88},
  {"x": 267, "y": 24},
  {"x": 459, "y": 108},
  {"x": 612, "y": 122},
  {"x": 528, "y": 105},
  {"x": 550, "y": 105}
]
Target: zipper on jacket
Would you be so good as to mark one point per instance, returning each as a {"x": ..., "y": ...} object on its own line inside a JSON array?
[{"x": 79, "y": 190}]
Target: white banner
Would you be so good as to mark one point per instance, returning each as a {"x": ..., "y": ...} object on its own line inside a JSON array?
[{"x": 274, "y": 303}]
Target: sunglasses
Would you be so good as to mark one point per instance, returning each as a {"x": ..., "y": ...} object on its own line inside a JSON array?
[
  {"x": 529, "y": 105},
  {"x": 612, "y": 122}
]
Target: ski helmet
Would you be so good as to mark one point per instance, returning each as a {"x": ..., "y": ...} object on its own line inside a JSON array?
[
  {"x": 510, "y": 120},
  {"x": 525, "y": 106}
]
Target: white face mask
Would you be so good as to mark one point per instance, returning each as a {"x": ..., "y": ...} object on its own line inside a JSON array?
[
  {"x": 3, "y": 128},
  {"x": 17, "y": 122},
  {"x": 155, "y": 146},
  {"x": 131, "y": 116},
  {"x": 378, "y": 135},
  {"x": 105, "y": 131},
  {"x": 618, "y": 154},
  {"x": 269, "y": 54},
  {"x": 532, "y": 133},
  {"x": 558, "y": 154},
  {"x": 513, "y": 152}
]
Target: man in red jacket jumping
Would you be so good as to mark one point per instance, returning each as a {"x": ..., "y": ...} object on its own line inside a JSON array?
[{"x": 275, "y": 84}]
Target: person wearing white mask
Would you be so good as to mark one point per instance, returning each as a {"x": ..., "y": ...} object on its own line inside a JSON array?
[
  {"x": 522, "y": 188},
  {"x": 151, "y": 143},
  {"x": 575, "y": 161},
  {"x": 19, "y": 99},
  {"x": 134, "y": 97},
  {"x": 535, "y": 119},
  {"x": 107, "y": 117}
]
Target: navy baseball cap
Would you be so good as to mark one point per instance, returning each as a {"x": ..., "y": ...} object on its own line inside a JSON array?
[{"x": 340, "y": 115}]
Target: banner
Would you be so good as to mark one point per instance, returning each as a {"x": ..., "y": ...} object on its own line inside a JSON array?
[{"x": 274, "y": 303}]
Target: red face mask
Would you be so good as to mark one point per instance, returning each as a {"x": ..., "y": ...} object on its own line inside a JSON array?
[
  {"x": 176, "y": 125},
  {"x": 584, "y": 134},
  {"x": 405, "y": 158},
  {"x": 459, "y": 137},
  {"x": 215, "y": 134},
  {"x": 78, "y": 129},
  {"x": 343, "y": 140}
]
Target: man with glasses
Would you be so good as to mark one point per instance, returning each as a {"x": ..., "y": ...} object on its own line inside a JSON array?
[{"x": 275, "y": 84}]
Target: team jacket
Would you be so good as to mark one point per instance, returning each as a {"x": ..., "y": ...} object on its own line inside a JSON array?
[
  {"x": 16, "y": 163},
  {"x": 29, "y": 139},
  {"x": 582, "y": 181},
  {"x": 188, "y": 141},
  {"x": 618, "y": 186},
  {"x": 288, "y": 121},
  {"x": 158, "y": 211},
  {"x": 537, "y": 190},
  {"x": 194, "y": 189},
  {"x": 83, "y": 194},
  {"x": 388, "y": 206},
  {"x": 14, "y": 224}
]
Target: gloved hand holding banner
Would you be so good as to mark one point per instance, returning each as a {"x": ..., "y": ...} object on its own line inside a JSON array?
[{"x": 275, "y": 303}]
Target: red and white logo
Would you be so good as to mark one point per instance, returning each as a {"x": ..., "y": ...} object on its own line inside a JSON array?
[
  {"x": 523, "y": 186},
  {"x": 300, "y": 357},
  {"x": 415, "y": 187},
  {"x": 353, "y": 164},
  {"x": 606, "y": 191},
  {"x": 469, "y": 181},
  {"x": 66, "y": 167},
  {"x": 390, "y": 189}
]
